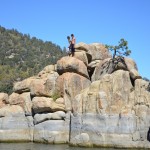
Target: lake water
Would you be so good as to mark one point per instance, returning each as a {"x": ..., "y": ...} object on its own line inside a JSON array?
[{"x": 37, "y": 146}]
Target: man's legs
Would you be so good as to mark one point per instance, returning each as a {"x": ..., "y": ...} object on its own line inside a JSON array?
[{"x": 72, "y": 49}]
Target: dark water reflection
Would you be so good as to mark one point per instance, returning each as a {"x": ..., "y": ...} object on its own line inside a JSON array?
[{"x": 37, "y": 146}]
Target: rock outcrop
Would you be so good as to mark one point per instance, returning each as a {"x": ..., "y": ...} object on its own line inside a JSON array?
[
  {"x": 86, "y": 100},
  {"x": 112, "y": 110}
]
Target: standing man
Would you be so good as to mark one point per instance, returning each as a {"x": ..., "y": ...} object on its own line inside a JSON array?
[
  {"x": 69, "y": 47},
  {"x": 73, "y": 42}
]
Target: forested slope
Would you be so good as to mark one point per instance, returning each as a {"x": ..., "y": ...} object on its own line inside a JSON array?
[{"x": 22, "y": 56}]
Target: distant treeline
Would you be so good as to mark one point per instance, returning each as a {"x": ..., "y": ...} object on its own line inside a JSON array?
[{"x": 22, "y": 56}]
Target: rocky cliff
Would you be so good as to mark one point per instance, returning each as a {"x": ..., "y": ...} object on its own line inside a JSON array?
[{"x": 85, "y": 100}]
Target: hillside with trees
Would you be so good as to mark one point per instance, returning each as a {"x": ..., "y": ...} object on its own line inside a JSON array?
[{"x": 22, "y": 56}]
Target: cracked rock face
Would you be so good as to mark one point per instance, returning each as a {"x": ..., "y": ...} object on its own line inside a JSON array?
[
  {"x": 112, "y": 110},
  {"x": 86, "y": 100}
]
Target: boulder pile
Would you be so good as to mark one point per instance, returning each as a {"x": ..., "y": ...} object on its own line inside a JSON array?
[{"x": 86, "y": 100}]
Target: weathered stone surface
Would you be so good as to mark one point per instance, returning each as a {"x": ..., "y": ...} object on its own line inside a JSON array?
[
  {"x": 38, "y": 118},
  {"x": 44, "y": 87},
  {"x": 43, "y": 104},
  {"x": 134, "y": 74},
  {"x": 46, "y": 70},
  {"x": 94, "y": 63},
  {"x": 14, "y": 99},
  {"x": 23, "y": 86},
  {"x": 81, "y": 56},
  {"x": 69, "y": 85},
  {"x": 60, "y": 100},
  {"x": 40, "y": 86},
  {"x": 112, "y": 111},
  {"x": 103, "y": 110},
  {"x": 142, "y": 95},
  {"x": 82, "y": 46},
  {"x": 13, "y": 110},
  {"x": 130, "y": 63},
  {"x": 50, "y": 84},
  {"x": 100, "y": 69},
  {"x": 82, "y": 139},
  {"x": 16, "y": 129},
  {"x": 96, "y": 50},
  {"x": 71, "y": 64},
  {"x": 117, "y": 87},
  {"x": 37, "y": 87},
  {"x": 13, "y": 122},
  {"x": 132, "y": 67},
  {"x": 27, "y": 104},
  {"x": 53, "y": 131},
  {"x": 98, "y": 128},
  {"x": 58, "y": 115},
  {"x": 91, "y": 67},
  {"x": 142, "y": 110},
  {"x": 3, "y": 99},
  {"x": 23, "y": 100},
  {"x": 108, "y": 66}
]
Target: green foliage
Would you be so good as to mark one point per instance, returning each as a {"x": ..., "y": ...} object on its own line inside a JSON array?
[
  {"x": 22, "y": 56},
  {"x": 55, "y": 96},
  {"x": 122, "y": 46},
  {"x": 8, "y": 75}
]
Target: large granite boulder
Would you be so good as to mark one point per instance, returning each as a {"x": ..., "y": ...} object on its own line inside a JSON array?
[
  {"x": 23, "y": 86},
  {"x": 69, "y": 85},
  {"x": 38, "y": 86},
  {"x": 45, "y": 104},
  {"x": 96, "y": 50},
  {"x": 23, "y": 100},
  {"x": 44, "y": 87},
  {"x": 71, "y": 64},
  {"x": 82, "y": 46}
]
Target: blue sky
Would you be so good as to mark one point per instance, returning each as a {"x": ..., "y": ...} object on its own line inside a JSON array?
[{"x": 103, "y": 21}]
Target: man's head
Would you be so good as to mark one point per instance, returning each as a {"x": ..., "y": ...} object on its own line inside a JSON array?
[
  {"x": 68, "y": 37},
  {"x": 72, "y": 35}
]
